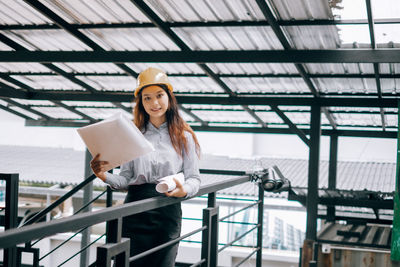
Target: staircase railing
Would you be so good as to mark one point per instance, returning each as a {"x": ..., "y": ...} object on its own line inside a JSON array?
[{"x": 113, "y": 216}]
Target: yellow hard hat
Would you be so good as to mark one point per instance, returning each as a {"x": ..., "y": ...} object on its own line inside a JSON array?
[{"x": 152, "y": 76}]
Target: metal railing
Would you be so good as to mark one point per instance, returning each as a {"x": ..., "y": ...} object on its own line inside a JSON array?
[{"x": 116, "y": 246}]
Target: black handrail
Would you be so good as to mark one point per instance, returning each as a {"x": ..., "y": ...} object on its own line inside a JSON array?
[
  {"x": 46, "y": 210},
  {"x": 77, "y": 222},
  {"x": 92, "y": 177}
]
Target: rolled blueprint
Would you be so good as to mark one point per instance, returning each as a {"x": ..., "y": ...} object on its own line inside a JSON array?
[{"x": 167, "y": 183}]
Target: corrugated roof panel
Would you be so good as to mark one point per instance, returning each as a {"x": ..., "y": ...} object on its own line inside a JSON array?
[
  {"x": 47, "y": 82},
  {"x": 234, "y": 124},
  {"x": 224, "y": 116},
  {"x": 19, "y": 12},
  {"x": 204, "y": 10},
  {"x": 358, "y": 119},
  {"x": 253, "y": 68},
  {"x": 391, "y": 120},
  {"x": 354, "y": 109},
  {"x": 110, "y": 83},
  {"x": 269, "y": 117},
  {"x": 25, "y": 112},
  {"x": 22, "y": 67},
  {"x": 300, "y": 117},
  {"x": 4, "y": 47},
  {"x": 169, "y": 68},
  {"x": 101, "y": 113},
  {"x": 229, "y": 38},
  {"x": 131, "y": 39},
  {"x": 267, "y": 85},
  {"x": 34, "y": 102},
  {"x": 340, "y": 68},
  {"x": 47, "y": 40},
  {"x": 304, "y": 9},
  {"x": 195, "y": 85},
  {"x": 390, "y": 86},
  {"x": 58, "y": 112},
  {"x": 95, "y": 11},
  {"x": 314, "y": 37},
  {"x": 89, "y": 67},
  {"x": 8, "y": 83},
  {"x": 186, "y": 117},
  {"x": 389, "y": 68},
  {"x": 301, "y": 108},
  {"x": 88, "y": 104},
  {"x": 345, "y": 85},
  {"x": 222, "y": 107}
]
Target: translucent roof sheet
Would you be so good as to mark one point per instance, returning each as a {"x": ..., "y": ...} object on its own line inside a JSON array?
[
  {"x": 47, "y": 82},
  {"x": 253, "y": 68},
  {"x": 314, "y": 37},
  {"x": 135, "y": 39},
  {"x": 229, "y": 38},
  {"x": 19, "y": 12},
  {"x": 340, "y": 68},
  {"x": 289, "y": 10},
  {"x": 110, "y": 83},
  {"x": 89, "y": 67},
  {"x": 22, "y": 67},
  {"x": 346, "y": 85},
  {"x": 203, "y": 10},
  {"x": 209, "y": 27},
  {"x": 267, "y": 85},
  {"x": 94, "y": 11},
  {"x": 50, "y": 40}
]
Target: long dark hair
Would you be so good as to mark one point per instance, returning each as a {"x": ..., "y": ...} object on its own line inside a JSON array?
[{"x": 176, "y": 125}]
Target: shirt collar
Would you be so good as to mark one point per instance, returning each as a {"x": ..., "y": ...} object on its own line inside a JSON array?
[{"x": 151, "y": 127}]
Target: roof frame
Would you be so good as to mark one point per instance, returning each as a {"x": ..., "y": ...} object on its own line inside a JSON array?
[
  {"x": 285, "y": 41},
  {"x": 268, "y": 130},
  {"x": 391, "y": 55},
  {"x": 376, "y": 65},
  {"x": 222, "y": 75},
  {"x": 73, "y": 31},
  {"x": 234, "y": 23},
  {"x": 153, "y": 17}
]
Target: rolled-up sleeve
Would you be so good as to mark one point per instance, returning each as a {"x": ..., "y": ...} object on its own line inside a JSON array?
[
  {"x": 191, "y": 168},
  {"x": 120, "y": 181}
]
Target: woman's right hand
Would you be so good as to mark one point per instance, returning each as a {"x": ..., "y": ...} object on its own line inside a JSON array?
[{"x": 98, "y": 167}]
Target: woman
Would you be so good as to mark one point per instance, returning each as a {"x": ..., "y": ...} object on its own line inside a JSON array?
[{"x": 176, "y": 150}]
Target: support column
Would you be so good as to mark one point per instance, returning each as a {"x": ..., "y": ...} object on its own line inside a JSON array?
[
  {"x": 395, "y": 253},
  {"x": 260, "y": 222},
  {"x": 312, "y": 192},
  {"x": 11, "y": 215},
  {"x": 87, "y": 196},
  {"x": 333, "y": 156},
  {"x": 313, "y": 168}
]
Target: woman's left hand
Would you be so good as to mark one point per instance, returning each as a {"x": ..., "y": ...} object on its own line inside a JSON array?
[{"x": 179, "y": 191}]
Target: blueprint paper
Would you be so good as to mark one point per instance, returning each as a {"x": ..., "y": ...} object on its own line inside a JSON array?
[
  {"x": 117, "y": 139},
  {"x": 167, "y": 183}
]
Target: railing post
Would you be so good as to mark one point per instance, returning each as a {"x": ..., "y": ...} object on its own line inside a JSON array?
[
  {"x": 87, "y": 197},
  {"x": 118, "y": 250},
  {"x": 11, "y": 215},
  {"x": 209, "y": 242},
  {"x": 211, "y": 200},
  {"x": 260, "y": 225}
]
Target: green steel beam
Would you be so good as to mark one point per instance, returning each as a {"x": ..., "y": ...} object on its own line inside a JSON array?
[{"x": 215, "y": 56}]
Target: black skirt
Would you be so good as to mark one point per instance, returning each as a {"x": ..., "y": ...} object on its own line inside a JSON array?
[{"x": 152, "y": 228}]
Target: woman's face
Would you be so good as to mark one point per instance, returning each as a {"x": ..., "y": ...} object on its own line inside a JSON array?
[{"x": 155, "y": 102}]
